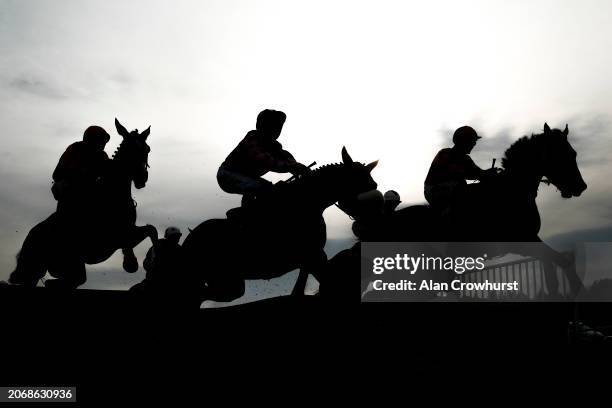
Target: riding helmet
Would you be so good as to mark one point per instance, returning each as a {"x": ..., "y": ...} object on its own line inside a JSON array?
[
  {"x": 465, "y": 134},
  {"x": 96, "y": 134}
]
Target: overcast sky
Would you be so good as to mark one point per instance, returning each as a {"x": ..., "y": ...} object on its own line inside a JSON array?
[{"x": 390, "y": 80}]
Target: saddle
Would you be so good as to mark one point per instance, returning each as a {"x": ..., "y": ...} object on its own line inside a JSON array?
[{"x": 254, "y": 205}]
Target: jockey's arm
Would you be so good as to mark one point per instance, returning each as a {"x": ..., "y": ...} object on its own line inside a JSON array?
[
  {"x": 105, "y": 162},
  {"x": 295, "y": 167},
  {"x": 473, "y": 172},
  {"x": 291, "y": 165},
  {"x": 279, "y": 161},
  {"x": 287, "y": 156},
  {"x": 70, "y": 165},
  {"x": 95, "y": 166}
]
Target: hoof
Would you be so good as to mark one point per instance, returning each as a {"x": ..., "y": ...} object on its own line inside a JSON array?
[
  {"x": 17, "y": 279},
  {"x": 152, "y": 233},
  {"x": 130, "y": 264}
]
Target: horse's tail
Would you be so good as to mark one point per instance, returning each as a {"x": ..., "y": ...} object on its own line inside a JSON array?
[{"x": 32, "y": 259}]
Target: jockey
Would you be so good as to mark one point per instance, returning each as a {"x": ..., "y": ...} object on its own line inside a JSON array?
[
  {"x": 258, "y": 153},
  {"x": 450, "y": 169},
  {"x": 392, "y": 200},
  {"x": 161, "y": 259},
  {"x": 369, "y": 216},
  {"x": 372, "y": 213},
  {"x": 79, "y": 168}
]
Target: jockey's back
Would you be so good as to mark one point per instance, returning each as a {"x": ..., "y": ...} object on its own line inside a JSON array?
[
  {"x": 77, "y": 172},
  {"x": 450, "y": 165},
  {"x": 80, "y": 164}
]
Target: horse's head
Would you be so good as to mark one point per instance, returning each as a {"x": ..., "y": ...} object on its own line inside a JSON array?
[
  {"x": 133, "y": 153},
  {"x": 559, "y": 163},
  {"x": 358, "y": 181}
]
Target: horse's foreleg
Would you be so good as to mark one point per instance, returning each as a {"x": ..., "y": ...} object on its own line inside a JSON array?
[
  {"x": 550, "y": 278},
  {"x": 315, "y": 266},
  {"x": 136, "y": 236},
  {"x": 567, "y": 263},
  {"x": 300, "y": 283},
  {"x": 551, "y": 257}
]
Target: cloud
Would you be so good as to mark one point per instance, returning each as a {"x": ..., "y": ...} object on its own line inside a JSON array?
[
  {"x": 38, "y": 87},
  {"x": 122, "y": 78},
  {"x": 568, "y": 240}
]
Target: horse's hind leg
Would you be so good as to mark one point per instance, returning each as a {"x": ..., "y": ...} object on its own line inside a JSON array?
[
  {"x": 31, "y": 260},
  {"x": 73, "y": 274},
  {"x": 29, "y": 270}
]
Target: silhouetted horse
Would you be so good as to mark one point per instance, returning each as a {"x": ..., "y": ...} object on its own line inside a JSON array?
[
  {"x": 285, "y": 230},
  {"x": 63, "y": 250},
  {"x": 502, "y": 209}
]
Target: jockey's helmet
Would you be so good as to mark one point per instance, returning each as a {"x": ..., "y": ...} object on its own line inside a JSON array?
[
  {"x": 392, "y": 195},
  {"x": 465, "y": 134},
  {"x": 269, "y": 119},
  {"x": 96, "y": 134},
  {"x": 170, "y": 231}
]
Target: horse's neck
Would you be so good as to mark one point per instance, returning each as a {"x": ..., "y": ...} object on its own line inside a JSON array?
[
  {"x": 518, "y": 192},
  {"x": 118, "y": 180},
  {"x": 523, "y": 185},
  {"x": 317, "y": 192},
  {"x": 524, "y": 174}
]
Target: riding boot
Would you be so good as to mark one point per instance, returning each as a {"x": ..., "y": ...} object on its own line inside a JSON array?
[{"x": 241, "y": 214}]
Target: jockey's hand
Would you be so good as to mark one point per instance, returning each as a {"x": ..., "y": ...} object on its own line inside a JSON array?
[
  {"x": 489, "y": 173},
  {"x": 299, "y": 169}
]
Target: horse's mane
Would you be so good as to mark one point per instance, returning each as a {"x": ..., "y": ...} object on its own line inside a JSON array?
[
  {"x": 119, "y": 151},
  {"x": 321, "y": 172},
  {"x": 521, "y": 151},
  {"x": 320, "y": 179}
]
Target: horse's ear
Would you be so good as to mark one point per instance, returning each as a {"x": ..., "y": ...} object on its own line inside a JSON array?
[
  {"x": 546, "y": 128},
  {"x": 120, "y": 129},
  {"x": 566, "y": 131},
  {"x": 370, "y": 166},
  {"x": 145, "y": 133},
  {"x": 346, "y": 159}
]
